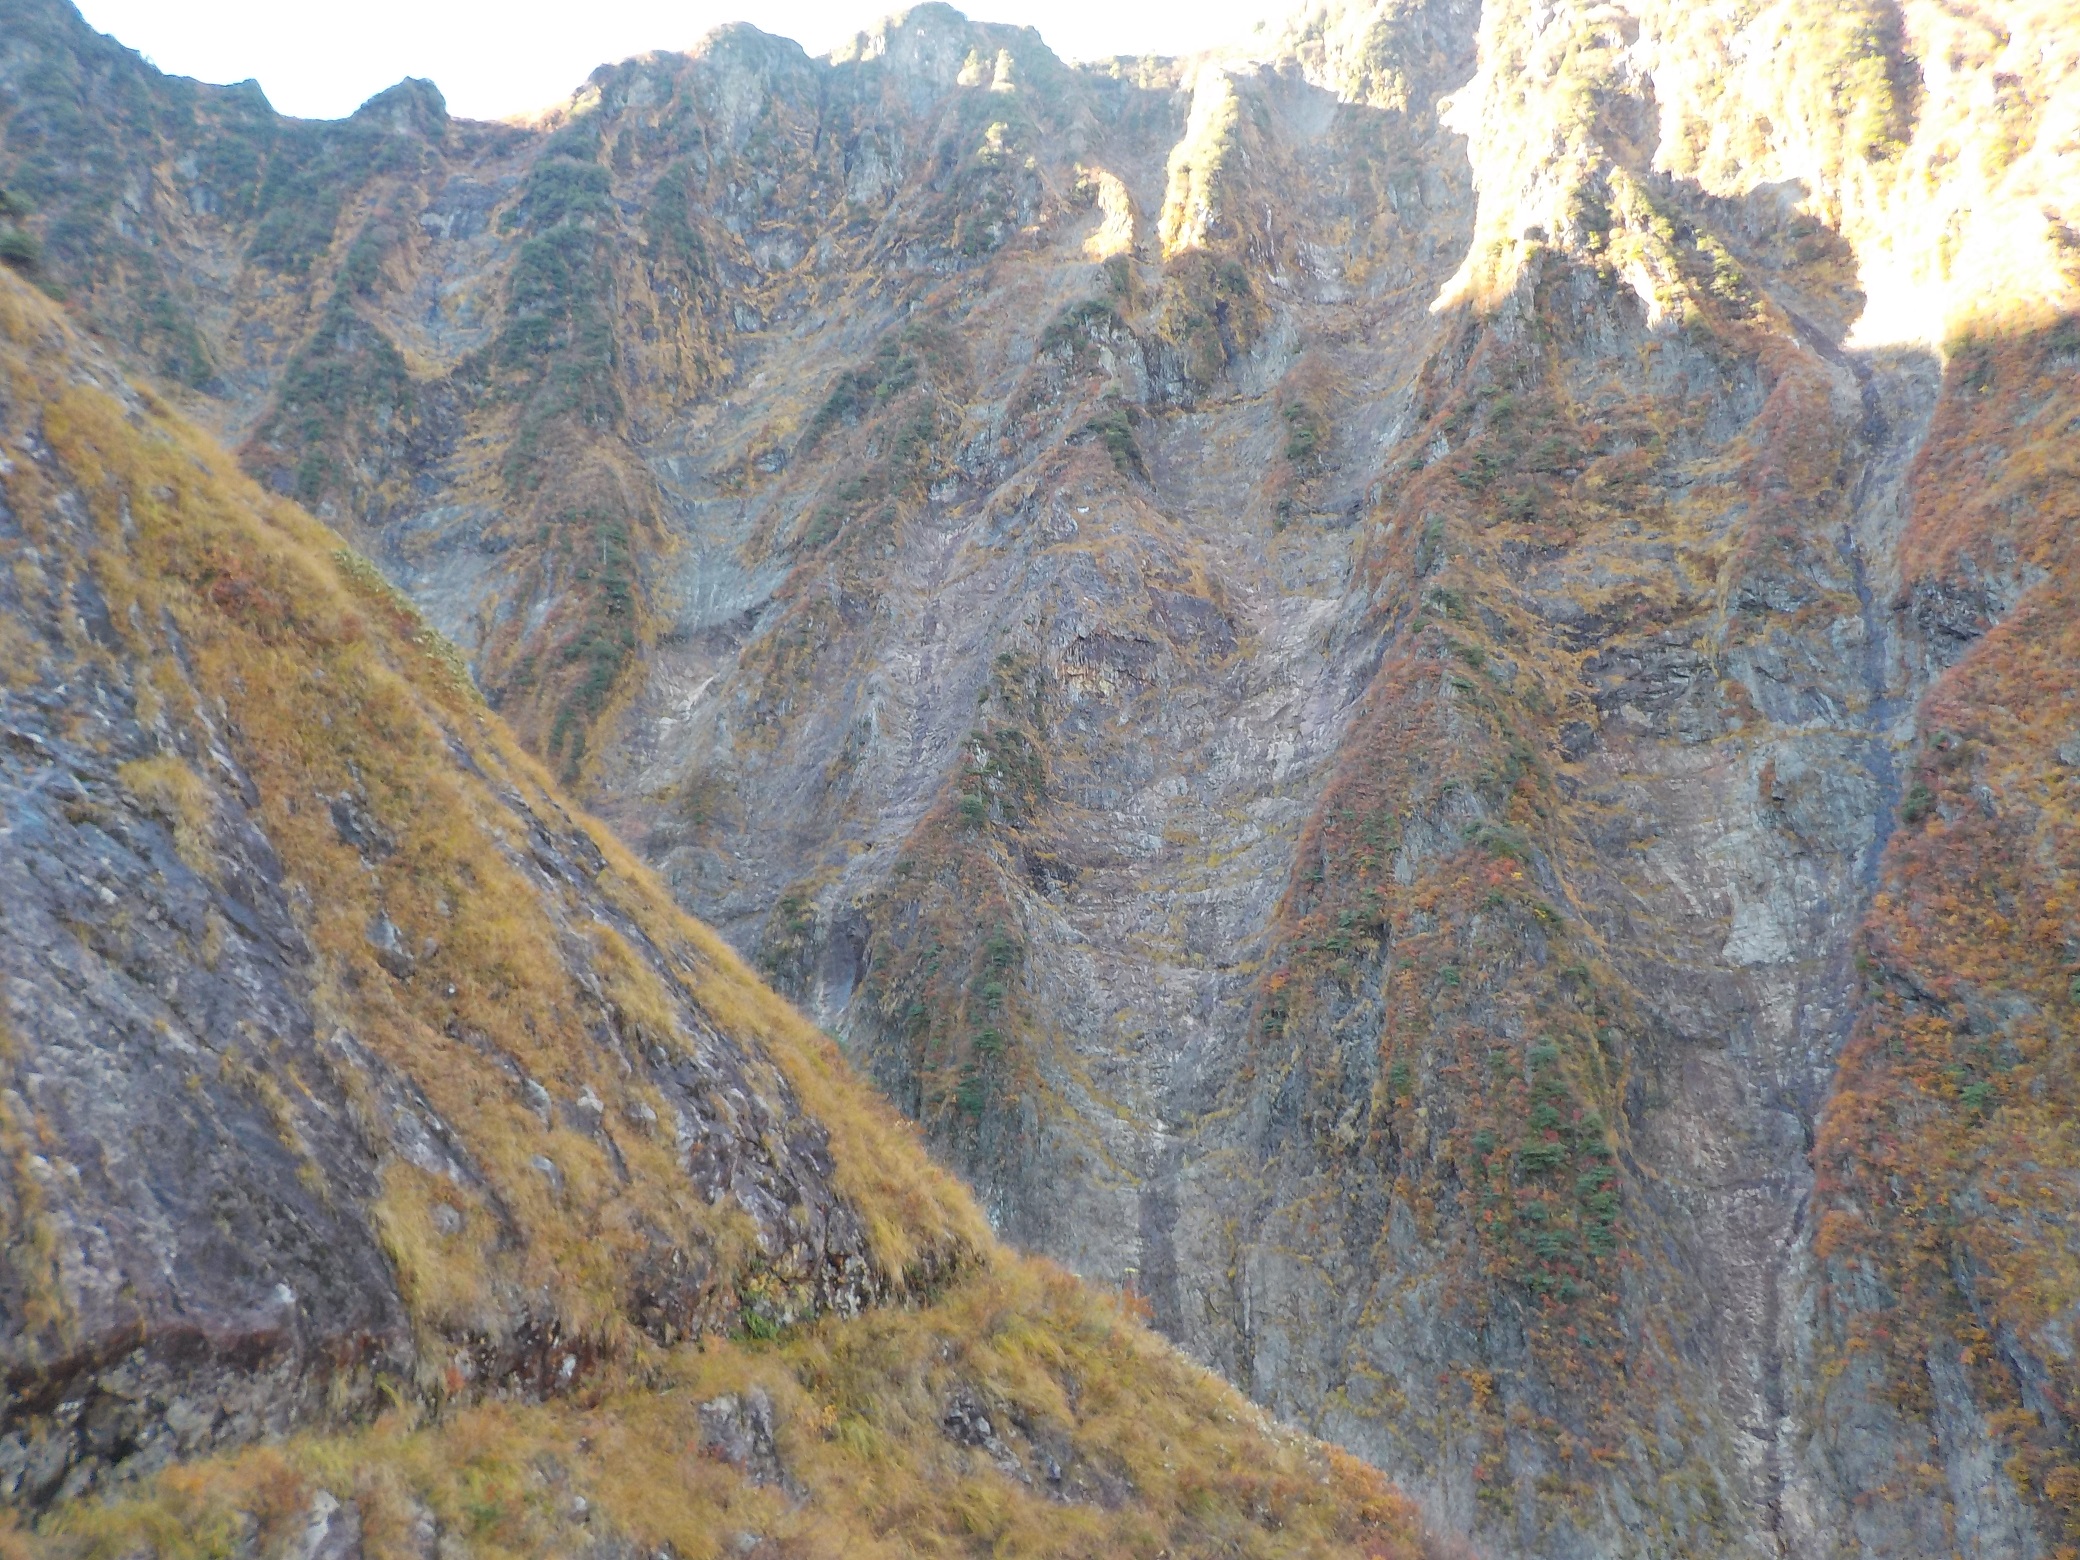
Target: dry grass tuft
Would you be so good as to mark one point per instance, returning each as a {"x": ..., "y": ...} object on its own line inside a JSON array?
[{"x": 168, "y": 787}]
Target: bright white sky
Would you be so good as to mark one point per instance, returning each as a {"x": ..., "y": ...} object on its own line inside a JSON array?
[{"x": 493, "y": 59}]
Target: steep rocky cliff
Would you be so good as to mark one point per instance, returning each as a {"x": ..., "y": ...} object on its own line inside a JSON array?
[
  {"x": 1603, "y": 876},
  {"x": 356, "y": 1087},
  {"x": 1409, "y": 686}
]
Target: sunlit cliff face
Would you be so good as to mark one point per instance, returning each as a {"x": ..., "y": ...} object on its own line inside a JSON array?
[{"x": 1941, "y": 144}]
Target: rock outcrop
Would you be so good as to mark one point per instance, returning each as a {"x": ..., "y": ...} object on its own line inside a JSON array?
[{"x": 1408, "y": 685}]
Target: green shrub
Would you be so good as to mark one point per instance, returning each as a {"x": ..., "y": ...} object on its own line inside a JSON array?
[
  {"x": 1306, "y": 432},
  {"x": 1116, "y": 432},
  {"x": 1537, "y": 1158},
  {"x": 1076, "y": 325},
  {"x": 19, "y": 249}
]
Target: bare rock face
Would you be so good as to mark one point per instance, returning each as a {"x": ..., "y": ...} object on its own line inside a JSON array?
[
  {"x": 739, "y": 1430},
  {"x": 1407, "y": 688}
]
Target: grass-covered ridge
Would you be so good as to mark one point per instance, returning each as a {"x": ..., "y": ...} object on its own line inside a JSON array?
[{"x": 517, "y": 967}]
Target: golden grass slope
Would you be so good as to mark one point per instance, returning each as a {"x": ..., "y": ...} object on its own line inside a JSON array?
[
  {"x": 329, "y": 686},
  {"x": 1166, "y": 1460}
]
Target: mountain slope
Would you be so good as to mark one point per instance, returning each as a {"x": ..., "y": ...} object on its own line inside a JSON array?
[
  {"x": 1402, "y": 685},
  {"x": 1668, "y": 638},
  {"x": 1945, "y": 1160},
  {"x": 359, "y": 1091},
  {"x": 936, "y": 508}
]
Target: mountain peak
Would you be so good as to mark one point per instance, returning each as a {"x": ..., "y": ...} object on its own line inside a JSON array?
[{"x": 413, "y": 107}]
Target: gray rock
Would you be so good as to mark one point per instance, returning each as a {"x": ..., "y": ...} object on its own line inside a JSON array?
[{"x": 738, "y": 1429}]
